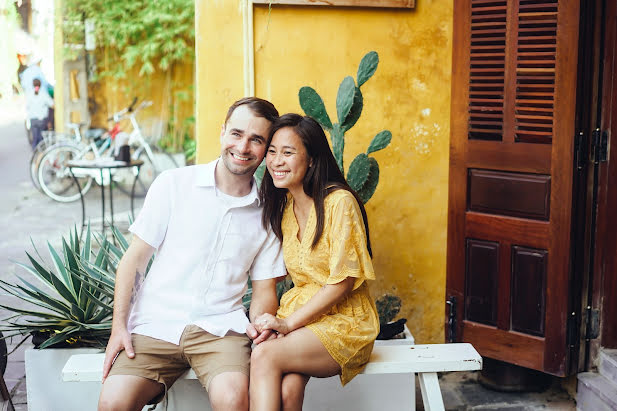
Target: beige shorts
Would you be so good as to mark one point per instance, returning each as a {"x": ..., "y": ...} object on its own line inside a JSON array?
[{"x": 207, "y": 354}]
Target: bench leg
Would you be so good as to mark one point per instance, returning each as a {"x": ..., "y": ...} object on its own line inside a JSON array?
[{"x": 431, "y": 393}]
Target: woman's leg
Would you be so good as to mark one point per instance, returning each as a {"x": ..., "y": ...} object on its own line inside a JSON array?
[
  {"x": 292, "y": 391},
  {"x": 299, "y": 352}
]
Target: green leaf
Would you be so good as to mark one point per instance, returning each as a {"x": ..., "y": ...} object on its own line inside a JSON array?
[
  {"x": 356, "y": 110},
  {"x": 40, "y": 314},
  {"x": 380, "y": 141},
  {"x": 314, "y": 107},
  {"x": 100, "y": 303},
  {"x": 367, "y": 191},
  {"x": 38, "y": 270},
  {"x": 63, "y": 274},
  {"x": 358, "y": 172},
  {"x": 367, "y": 67},
  {"x": 77, "y": 312},
  {"x": 58, "y": 338},
  {"x": 124, "y": 244},
  {"x": 338, "y": 144},
  {"x": 344, "y": 98},
  {"x": 87, "y": 249}
]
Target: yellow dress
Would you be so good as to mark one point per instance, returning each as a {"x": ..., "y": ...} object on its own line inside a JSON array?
[{"x": 349, "y": 329}]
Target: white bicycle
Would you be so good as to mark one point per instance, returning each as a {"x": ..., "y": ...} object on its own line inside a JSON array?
[{"x": 55, "y": 178}]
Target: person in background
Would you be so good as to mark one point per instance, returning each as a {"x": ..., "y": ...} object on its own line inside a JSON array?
[
  {"x": 38, "y": 104},
  {"x": 327, "y": 323},
  {"x": 33, "y": 71}
]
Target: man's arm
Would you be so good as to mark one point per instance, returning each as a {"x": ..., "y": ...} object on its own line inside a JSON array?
[
  {"x": 264, "y": 300},
  {"x": 130, "y": 273}
]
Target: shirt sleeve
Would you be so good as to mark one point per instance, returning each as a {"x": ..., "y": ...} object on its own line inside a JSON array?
[
  {"x": 268, "y": 262},
  {"x": 349, "y": 255},
  {"x": 152, "y": 221}
]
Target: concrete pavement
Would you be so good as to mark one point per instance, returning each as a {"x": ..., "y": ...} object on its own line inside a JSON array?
[{"x": 29, "y": 217}]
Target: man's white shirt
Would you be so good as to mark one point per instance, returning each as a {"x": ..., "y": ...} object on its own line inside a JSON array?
[{"x": 207, "y": 244}]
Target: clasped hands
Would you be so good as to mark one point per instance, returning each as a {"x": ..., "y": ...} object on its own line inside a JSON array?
[{"x": 266, "y": 327}]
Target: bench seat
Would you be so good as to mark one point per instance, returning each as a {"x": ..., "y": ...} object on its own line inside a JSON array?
[{"x": 425, "y": 360}]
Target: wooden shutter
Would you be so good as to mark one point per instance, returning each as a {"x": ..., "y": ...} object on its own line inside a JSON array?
[{"x": 510, "y": 191}]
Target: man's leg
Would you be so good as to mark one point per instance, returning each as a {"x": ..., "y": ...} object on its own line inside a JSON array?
[
  {"x": 229, "y": 391},
  {"x": 128, "y": 393},
  {"x": 135, "y": 382},
  {"x": 222, "y": 366}
]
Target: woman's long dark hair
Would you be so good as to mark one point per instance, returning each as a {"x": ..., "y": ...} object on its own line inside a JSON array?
[{"x": 322, "y": 178}]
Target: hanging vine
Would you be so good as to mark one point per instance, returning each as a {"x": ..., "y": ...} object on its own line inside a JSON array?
[{"x": 148, "y": 34}]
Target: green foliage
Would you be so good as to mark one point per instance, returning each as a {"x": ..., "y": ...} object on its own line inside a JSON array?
[
  {"x": 363, "y": 173},
  {"x": 281, "y": 288},
  {"x": 388, "y": 306},
  {"x": 190, "y": 151},
  {"x": 75, "y": 304},
  {"x": 144, "y": 33}
]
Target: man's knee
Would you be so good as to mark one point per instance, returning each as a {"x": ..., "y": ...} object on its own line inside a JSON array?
[
  {"x": 125, "y": 393},
  {"x": 229, "y": 391}
]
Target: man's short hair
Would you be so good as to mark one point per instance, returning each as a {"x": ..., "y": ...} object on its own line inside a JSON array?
[{"x": 259, "y": 107}]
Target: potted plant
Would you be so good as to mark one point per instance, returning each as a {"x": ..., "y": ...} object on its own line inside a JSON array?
[{"x": 67, "y": 311}]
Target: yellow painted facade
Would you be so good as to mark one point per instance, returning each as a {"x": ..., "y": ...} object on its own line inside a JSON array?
[
  {"x": 161, "y": 88},
  {"x": 296, "y": 46}
]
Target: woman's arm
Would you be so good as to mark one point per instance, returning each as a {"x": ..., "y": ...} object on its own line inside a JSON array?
[{"x": 320, "y": 303}]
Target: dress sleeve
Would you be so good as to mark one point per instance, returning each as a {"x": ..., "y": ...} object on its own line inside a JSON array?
[{"x": 349, "y": 255}]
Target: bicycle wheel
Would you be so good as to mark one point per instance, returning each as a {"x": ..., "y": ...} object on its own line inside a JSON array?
[
  {"x": 55, "y": 178},
  {"x": 29, "y": 135},
  {"x": 148, "y": 172},
  {"x": 35, "y": 159}
]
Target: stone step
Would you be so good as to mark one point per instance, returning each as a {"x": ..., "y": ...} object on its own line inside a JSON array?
[
  {"x": 608, "y": 365},
  {"x": 595, "y": 393}
]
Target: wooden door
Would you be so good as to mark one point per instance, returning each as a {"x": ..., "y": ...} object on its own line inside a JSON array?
[{"x": 510, "y": 185}]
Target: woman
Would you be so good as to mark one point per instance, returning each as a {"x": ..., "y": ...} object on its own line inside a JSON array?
[{"x": 328, "y": 322}]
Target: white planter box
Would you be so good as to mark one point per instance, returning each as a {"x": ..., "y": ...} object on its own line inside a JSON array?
[
  {"x": 47, "y": 392},
  {"x": 45, "y": 389}
]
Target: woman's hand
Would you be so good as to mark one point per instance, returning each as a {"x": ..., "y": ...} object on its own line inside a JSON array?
[{"x": 269, "y": 322}]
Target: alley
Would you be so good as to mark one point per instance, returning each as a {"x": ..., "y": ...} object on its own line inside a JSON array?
[{"x": 29, "y": 217}]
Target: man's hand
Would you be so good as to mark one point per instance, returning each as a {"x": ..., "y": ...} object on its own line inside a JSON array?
[
  {"x": 259, "y": 337},
  {"x": 118, "y": 341},
  {"x": 268, "y": 322}
]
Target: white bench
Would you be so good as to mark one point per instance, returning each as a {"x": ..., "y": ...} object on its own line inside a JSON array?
[{"x": 424, "y": 360}]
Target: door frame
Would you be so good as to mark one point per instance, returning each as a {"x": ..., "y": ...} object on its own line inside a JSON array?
[{"x": 604, "y": 295}]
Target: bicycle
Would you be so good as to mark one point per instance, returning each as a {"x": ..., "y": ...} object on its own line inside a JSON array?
[
  {"x": 53, "y": 175},
  {"x": 156, "y": 160},
  {"x": 50, "y": 138},
  {"x": 55, "y": 179}
]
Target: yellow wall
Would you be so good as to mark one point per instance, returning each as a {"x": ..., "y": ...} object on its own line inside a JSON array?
[
  {"x": 111, "y": 95},
  {"x": 409, "y": 95}
]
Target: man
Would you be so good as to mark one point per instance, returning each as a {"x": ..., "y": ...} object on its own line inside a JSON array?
[
  {"x": 205, "y": 224},
  {"x": 38, "y": 104}
]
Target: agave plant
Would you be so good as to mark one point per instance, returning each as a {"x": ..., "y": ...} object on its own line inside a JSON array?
[{"x": 75, "y": 304}]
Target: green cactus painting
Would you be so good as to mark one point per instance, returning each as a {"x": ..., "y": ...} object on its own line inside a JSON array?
[{"x": 363, "y": 172}]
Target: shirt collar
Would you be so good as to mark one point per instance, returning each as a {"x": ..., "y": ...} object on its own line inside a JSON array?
[{"x": 205, "y": 178}]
